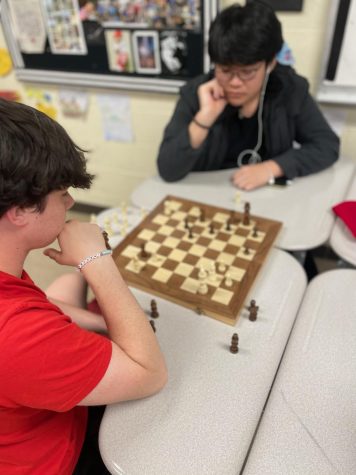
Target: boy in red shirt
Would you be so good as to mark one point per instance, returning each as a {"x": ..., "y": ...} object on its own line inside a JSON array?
[{"x": 53, "y": 363}]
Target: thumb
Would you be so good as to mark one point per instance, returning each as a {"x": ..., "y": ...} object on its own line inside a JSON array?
[{"x": 53, "y": 254}]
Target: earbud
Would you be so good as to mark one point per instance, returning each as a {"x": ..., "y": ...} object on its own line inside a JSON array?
[{"x": 268, "y": 70}]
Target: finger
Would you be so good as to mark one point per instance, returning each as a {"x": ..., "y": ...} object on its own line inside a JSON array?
[{"x": 52, "y": 254}]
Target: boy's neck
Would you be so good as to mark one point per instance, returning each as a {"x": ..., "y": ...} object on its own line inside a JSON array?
[{"x": 11, "y": 259}]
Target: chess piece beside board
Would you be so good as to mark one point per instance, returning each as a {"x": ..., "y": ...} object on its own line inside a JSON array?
[{"x": 199, "y": 256}]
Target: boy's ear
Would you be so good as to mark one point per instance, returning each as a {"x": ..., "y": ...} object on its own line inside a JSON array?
[{"x": 17, "y": 216}]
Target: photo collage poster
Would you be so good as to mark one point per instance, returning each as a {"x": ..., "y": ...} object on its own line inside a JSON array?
[
  {"x": 145, "y": 37},
  {"x": 133, "y": 37}
]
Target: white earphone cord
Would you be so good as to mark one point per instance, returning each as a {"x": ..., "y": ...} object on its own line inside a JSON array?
[{"x": 255, "y": 157}]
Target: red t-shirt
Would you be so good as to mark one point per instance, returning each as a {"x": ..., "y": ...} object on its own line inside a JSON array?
[{"x": 47, "y": 366}]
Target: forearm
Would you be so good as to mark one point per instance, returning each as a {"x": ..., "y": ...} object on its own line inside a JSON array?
[
  {"x": 306, "y": 160},
  {"x": 83, "y": 318},
  {"x": 127, "y": 324},
  {"x": 199, "y": 128}
]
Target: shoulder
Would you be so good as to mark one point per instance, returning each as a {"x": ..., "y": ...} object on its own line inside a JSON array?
[{"x": 288, "y": 87}]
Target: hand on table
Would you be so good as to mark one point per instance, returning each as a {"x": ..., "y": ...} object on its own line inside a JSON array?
[{"x": 249, "y": 177}]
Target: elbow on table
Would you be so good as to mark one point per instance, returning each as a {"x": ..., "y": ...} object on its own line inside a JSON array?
[
  {"x": 160, "y": 380},
  {"x": 168, "y": 172}
]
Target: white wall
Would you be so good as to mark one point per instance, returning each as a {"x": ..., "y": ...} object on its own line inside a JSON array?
[{"x": 120, "y": 166}]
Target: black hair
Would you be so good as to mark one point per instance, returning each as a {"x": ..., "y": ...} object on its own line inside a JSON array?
[
  {"x": 245, "y": 35},
  {"x": 36, "y": 157}
]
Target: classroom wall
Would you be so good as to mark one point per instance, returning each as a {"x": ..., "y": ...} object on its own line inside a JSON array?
[{"x": 120, "y": 167}]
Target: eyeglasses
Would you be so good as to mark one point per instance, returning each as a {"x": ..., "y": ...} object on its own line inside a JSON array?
[{"x": 245, "y": 73}]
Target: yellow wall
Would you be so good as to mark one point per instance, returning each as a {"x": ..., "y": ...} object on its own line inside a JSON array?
[{"x": 120, "y": 167}]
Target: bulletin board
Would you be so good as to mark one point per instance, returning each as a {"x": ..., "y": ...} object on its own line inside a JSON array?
[
  {"x": 338, "y": 80},
  {"x": 149, "y": 45}
]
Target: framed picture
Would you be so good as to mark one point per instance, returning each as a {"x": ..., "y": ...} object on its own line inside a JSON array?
[
  {"x": 174, "y": 50},
  {"x": 146, "y": 52},
  {"x": 64, "y": 28},
  {"x": 118, "y": 47}
]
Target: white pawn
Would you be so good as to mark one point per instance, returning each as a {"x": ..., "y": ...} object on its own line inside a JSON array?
[
  {"x": 202, "y": 274},
  {"x": 136, "y": 264},
  {"x": 221, "y": 267},
  {"x": 228, "y": 279},
  {"x": 203, "y": 288},
  {"x": 212, "y": 271}
]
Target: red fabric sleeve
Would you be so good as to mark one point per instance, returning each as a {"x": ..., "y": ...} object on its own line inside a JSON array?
[{"x": 51, "y": 362}]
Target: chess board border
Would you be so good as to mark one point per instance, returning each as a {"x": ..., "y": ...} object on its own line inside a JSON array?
[{"x": 200, "y": 303}]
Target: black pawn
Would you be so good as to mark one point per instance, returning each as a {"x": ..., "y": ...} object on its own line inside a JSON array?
[
  {"x": 234, "y": 347},
  {"x": 154, "y": 312}
]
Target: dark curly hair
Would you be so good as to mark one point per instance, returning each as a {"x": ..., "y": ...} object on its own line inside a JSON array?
[
  {"x": 36, "y": 157},
  {"x": 245, "y": 35}
]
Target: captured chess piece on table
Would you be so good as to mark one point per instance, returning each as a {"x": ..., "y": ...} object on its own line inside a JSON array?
[
  {"x": 253, "y": 311},
  {"x": 154, "y": 311},
  {"x": 234, "y": 347}
]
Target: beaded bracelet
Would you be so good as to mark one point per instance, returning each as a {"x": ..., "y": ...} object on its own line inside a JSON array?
[
  {"x": 85, "y": 261},
  {"x": 202, "y": 126}
]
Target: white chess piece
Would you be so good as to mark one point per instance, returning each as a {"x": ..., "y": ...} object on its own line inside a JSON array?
[
  {"x": 212, "y": 271},
  {"x": 203, "y": 288},
  {"x": 136, "y": 264},
  {"x": 228, "y": 279},
  {"x": 202, "y": 274},
  {"x": 221, "y": 267}
]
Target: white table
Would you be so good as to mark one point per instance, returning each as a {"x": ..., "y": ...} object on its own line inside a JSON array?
[
  {"x": 304, "y": 207},
  {"x": 341, "y": 240},
  {"x": 309, "y": 426},
  {"x": 203, "y": 421}
]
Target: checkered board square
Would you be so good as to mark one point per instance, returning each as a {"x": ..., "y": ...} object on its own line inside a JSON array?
[{"x": 178, "y": 263}]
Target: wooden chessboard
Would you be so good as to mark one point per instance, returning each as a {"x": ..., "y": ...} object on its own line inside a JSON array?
[{"x": 175, "y": 260}]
